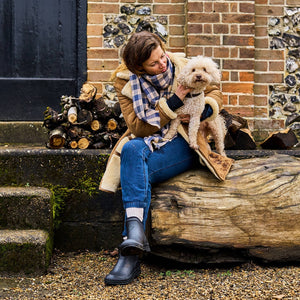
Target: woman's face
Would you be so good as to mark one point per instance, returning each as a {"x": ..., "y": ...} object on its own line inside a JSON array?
[{"x": 156, "y": 63}]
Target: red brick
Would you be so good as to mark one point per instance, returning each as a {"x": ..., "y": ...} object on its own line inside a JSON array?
[
  {"x": 221, "y": 28},
  {"x": 247, "y": 7},
  {"x": 237, "y": 64},
  {"x": 247, "y": 29},
  {"x": 208, "y": 6},
  {"x": 195, "y": 6},
  {"x": 261, "y": 31},
  {"x": 203, "y": 40},
  {"x": 268, "y": 78},
  {"x": 98, "y": 76},
  {"x": 207, "y": 28},
  {"x": 233, "y": 7},
  {"x": 176, "y": 30},
  {"x": 103, "y": 53},
  {"x": 242, "y": 111},
  {"x": 234, "y": 52},
  {"x": 238, "y": 18},
  {"x": 194, "y": 51},
  {"x": 238, "y": 40},
  {"x": 102, "y": 64},
  {"x": 261, "y": 20},
  {"x": 244, "y": 88},
  {"x": 262, "y": 43},
  {"x": 246, "y": 100},
  {"x": 247, "y": 52},
  {"x": 203, "y": 18},
  {"x": 261, "y": 89},
  {"x": 234, "y": 76},
  {"x": 94, "y": 30},
  {"x": 246, "y": 76},
  {"x": 177, "y": 19},
  {"x": 208, "y": 51},
  {"x": 261, "y": 65},
  {"x": 195, "y": 28},
  {"x": 221, "y": 7},
  {"x": 269, "y": 54},
  {"x": 221, "y": 52},
  {"x": 94, "y": 42},
  {"x": 269, "y": 10},
  {"x": 225, "y": 75},
  {"x": 103, "y": 8},
  {"x": 261, "y": 100},
  {"x": 276, "y": 65},
  {"x": 234, "y": 29},
  {"x": 225, "y": 99},
  {"x": 168, "y": 9},
  {"x": 233, "y": 100},
  {"x": 177, "y": 41},
  {"x": 94, "y": 18}
]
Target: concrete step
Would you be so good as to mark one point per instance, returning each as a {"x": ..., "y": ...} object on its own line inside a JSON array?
[
  {"x": 26, "y": 208},
  {"x": 25, "y": 251},
  {"x": 19, "y": 133}
]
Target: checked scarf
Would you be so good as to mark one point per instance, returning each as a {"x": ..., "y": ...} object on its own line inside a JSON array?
[{"x": 146, "y": 91}]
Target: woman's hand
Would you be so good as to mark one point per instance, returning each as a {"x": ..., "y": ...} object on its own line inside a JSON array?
[
  {"x": 184, "y": 118},
  {"x": 182, "y": 91}
]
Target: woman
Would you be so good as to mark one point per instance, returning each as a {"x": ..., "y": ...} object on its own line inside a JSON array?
[{"x": 148, "y": 94}]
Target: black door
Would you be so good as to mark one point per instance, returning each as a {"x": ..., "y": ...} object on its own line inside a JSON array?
[{"x": 42, "y": 55}]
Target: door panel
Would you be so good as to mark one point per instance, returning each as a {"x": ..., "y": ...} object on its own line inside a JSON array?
[{"x": 39, "y": 55}]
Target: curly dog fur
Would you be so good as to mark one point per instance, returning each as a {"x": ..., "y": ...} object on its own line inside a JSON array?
[{"x": 199, "y": 72}]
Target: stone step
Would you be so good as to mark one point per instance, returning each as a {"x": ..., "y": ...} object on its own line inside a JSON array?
[
  {"x": 25, "y": 251},
  {"x": 23, "y": 133},
  {"x": 26, "y": 208}
]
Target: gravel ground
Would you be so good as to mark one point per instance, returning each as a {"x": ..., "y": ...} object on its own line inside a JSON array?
[{"x": 81, "y": 276}]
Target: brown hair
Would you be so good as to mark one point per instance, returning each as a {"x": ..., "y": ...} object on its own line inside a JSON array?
[{"x": 138, "y": 50}]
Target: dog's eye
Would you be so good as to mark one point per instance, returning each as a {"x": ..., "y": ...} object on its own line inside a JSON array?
[
  {"x": 193, "y": 70},
  {"x": 204, "y": 69}
]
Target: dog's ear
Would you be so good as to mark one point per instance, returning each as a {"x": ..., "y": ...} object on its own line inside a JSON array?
[{"x": 180, "y": 77}]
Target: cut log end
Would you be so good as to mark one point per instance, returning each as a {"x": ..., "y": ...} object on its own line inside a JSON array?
[{"x": 83, "y": 143}]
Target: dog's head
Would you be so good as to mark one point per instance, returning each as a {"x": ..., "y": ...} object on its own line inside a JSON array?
[{"x": 199, "y": 72}]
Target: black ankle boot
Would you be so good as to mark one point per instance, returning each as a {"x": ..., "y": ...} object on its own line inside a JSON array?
[
  {"x": 136, "y": 242},
  {"x": 126, "y": 269}
]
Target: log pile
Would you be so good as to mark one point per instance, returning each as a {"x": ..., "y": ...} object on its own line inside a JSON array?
[{"x": 84, "y": 122}]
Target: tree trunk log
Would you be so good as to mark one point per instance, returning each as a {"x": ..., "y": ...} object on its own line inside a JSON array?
[
  {"x": 72, "y": 114},
  {"x": 57, "y": 138},
  {"x": 83, "y": 143},
  {"x": 254, "y": 213}
]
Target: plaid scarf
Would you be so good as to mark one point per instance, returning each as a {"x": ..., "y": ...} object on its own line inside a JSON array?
[{"x": 146, "y": 91}]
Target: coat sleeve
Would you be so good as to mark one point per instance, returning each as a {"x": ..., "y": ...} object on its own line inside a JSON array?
[{"x": 136, "y": 126}]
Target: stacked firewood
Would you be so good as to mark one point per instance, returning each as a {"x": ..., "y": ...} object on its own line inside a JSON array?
[{"x": 84, "y": 122}]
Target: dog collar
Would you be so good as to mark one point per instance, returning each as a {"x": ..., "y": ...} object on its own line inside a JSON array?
[{"x": 189, "y": 95}]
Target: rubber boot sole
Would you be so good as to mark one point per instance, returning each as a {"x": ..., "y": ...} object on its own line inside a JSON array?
[{"x": 136, "y": 272}]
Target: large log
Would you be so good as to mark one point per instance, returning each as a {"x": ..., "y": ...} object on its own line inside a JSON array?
[{"x": 255, "y": 213}]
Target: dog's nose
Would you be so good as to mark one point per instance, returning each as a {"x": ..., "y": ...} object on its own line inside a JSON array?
[{"x": 198, "y": 77}]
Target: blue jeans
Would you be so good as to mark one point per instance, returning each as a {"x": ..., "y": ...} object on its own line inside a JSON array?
[{"x": 140, "y": 168}]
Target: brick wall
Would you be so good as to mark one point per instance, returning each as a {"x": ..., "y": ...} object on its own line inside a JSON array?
[{"x": 234, "y": 33}]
